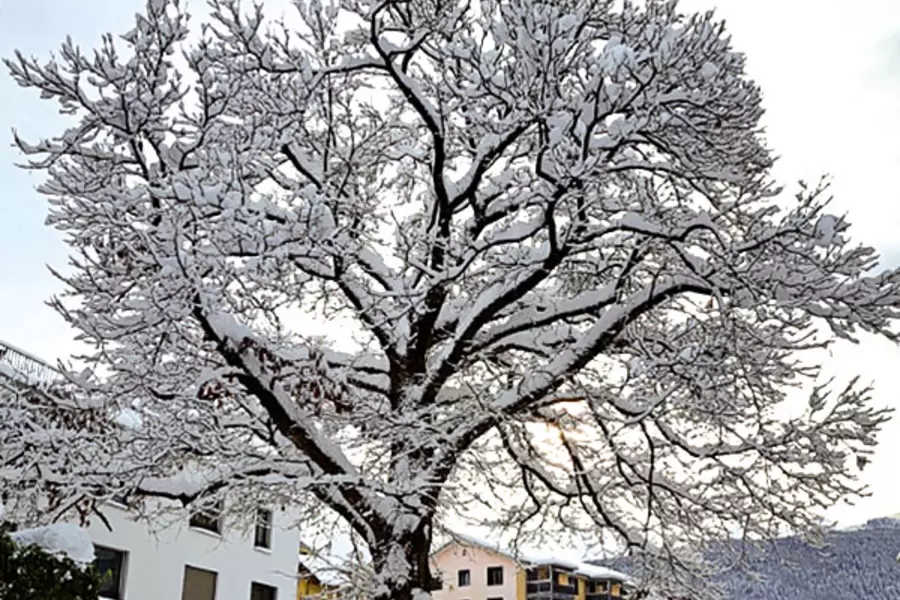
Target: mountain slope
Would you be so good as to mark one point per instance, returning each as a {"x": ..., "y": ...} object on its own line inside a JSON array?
[{"x": 854, "y": 564}]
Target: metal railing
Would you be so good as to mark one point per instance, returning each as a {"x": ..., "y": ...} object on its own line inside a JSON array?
[{"x": 28, "y": 368}]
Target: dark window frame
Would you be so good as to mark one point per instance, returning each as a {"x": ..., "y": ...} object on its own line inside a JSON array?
[
  {"x": 257, "y": 587},
  {"x": 498, "y": 576},
  {"x": 463, "y": 574},
  {"x": 114, "y": 588},
  {"x": 262, "y": 530},
  {"x": 209, "y": 519}
]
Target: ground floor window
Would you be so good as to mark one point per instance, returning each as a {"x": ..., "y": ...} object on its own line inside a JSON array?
[
  {"x": 110, "y": 564},
  {"x": 261, "y": 591},
  {"x": 198, "y": 584}
]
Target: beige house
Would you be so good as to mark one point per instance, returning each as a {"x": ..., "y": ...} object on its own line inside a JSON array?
[{"x": 476, "y": 570}]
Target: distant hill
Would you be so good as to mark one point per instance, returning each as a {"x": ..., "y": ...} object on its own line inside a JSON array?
[{"x": 854, "y": 564}]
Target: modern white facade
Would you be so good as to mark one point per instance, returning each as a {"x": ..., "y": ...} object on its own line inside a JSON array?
[{"x": 183, "y": 562}]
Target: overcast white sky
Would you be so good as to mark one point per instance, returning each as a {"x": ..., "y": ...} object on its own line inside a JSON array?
[{"x": 830, "y": 70}]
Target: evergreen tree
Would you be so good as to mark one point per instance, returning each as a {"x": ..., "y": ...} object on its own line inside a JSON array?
[{"x": 28, "y": 572}]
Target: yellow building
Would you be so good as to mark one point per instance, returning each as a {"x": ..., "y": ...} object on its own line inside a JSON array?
[
  {"x": 475, "y": 570},
  {"x": 317, "y": 577}
]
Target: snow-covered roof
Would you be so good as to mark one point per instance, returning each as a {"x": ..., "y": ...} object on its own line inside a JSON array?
[
  {"x": 598, "y": 572},
  {"x": 534, "y": 558},
  {"x": 326, "y": 569}
]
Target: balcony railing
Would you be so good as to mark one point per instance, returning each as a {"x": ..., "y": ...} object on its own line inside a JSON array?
[
  {"x": 550, "y": 588},
  {"x": 18, "y": 364}
]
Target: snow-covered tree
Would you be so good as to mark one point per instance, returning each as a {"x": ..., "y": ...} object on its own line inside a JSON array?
[
  {"x": 406, "y": 259},
  {"x": 48, "y": 437}
]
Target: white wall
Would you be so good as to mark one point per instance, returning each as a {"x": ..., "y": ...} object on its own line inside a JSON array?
[{"x": 154, "y": 566}]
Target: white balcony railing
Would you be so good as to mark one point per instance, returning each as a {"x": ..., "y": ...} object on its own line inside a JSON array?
[{"x": 18, "y": 365}]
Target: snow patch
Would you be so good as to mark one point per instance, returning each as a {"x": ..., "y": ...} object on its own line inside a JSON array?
[
  {"x": 326, "y": 569},
  {"x": 65, "y": 539},
  {"x": 827, "y": 228}
]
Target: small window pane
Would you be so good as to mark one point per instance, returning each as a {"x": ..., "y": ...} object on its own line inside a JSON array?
[
  {"x": 464, "y": 578},
  {"x": 209, "y": 519},
  {"x": 495, "y": 575},
  {"x": 110, "y": 565},
  {"x": 262, "y": 537},
  {"x": 261, "y": 591}
]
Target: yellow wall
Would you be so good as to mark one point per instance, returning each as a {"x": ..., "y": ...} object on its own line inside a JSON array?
[
  {"x": 307, "y": 587},
  {"x": 521, "y": 589},
  {"x": 582, "y": 587},
  {"x": 310, "y": 587}
]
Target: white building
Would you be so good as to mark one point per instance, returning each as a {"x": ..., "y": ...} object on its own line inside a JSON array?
[{"x": 201, "y": 558}]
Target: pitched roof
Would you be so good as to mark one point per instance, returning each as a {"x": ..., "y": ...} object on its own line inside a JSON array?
[
  {"x": 537, "y": 558},
  {"x": 327, "y": 570}
]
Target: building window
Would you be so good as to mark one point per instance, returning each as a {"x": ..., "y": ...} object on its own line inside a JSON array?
[
  {"x": 495, "y": 575},
  {"x": 498, "y": 598},
  {"x": 198, "y": 584},
  {"x": 262, "y": 536},
  {"x": 563, "y": 579},
  {"x": 463, "y": 578},
  {"x": 110, "y": 564},
  {"x": 261, "y": 591},
  {"x": 209, "y": 519}
]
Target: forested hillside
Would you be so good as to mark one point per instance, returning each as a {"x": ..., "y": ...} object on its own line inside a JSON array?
[{"x": 854, "y": 564}]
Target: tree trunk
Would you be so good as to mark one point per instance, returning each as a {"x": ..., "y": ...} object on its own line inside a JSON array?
[{"x": 402, "y": 565}]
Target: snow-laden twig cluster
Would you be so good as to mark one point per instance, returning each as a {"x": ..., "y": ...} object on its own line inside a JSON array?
[{"x": 577, "y": 297}]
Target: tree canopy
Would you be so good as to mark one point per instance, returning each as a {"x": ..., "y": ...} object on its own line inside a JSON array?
[{"x": 411, "y": 260}]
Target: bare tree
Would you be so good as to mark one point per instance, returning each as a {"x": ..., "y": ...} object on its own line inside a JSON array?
[{"x": 544, "y": 233}]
